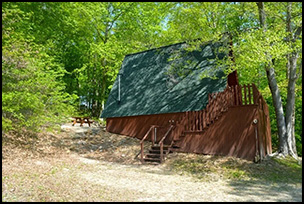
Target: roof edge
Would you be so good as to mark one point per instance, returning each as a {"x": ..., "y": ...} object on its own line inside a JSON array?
[{"x": 187, "y": 41}]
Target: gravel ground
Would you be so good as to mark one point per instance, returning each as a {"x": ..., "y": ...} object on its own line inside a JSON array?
[{"x": 75, "y": 173}]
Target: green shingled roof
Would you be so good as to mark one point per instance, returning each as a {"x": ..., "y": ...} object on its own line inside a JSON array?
[{"x": 165, "y": 80}]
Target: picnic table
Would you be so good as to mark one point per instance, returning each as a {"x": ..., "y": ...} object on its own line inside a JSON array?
[{"x": 81, "y": 120}]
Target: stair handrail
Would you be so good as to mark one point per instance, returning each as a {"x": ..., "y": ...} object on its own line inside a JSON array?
[
  {"x": 164, "y": 137},
  {"x": 142, "y": 143},
  {"x": 161, "y": 143},
  {"x": 257, "y": 96}
]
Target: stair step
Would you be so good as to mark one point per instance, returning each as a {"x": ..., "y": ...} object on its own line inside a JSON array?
[
  {"x": 176, "y": 150},
  {"x": 153, "y": 163},
  {"x": 152, "y": 160},
  {"x": 158, "y": 147},
  {"x": 152, "y": 155},
  {"x": 156, "y": 151}
]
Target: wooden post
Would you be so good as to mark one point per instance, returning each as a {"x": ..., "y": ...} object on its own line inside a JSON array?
[
  {"x": 212, "y": 111},
  {"x": 225, "y": 100},
  {"x": 153, "y": 136},
  {"x": 214, "y": 108},
  {"x": 255, "y": 94},
  {"x": 232, "y": 96},
  {"x": 187, "y": 120},
  {"x": 217, "y": 106},
  {"x": 161, "y": 152},
  {"x": 192, "y": 120},
  {"x": 236, "y": 95},
  {"x": 240, "y": 94},
  {"x": 200, "y": 120},
  {"x": 197, "y": 120},
  {"x": 204, "y": 118},
  {"x": 222, "y": 102},
  {"x": 207, "y": 115},
  {"x": 142, "y": 152},
  {"x": 245, "y": 95},
  {"x": 249, "y": 93}
]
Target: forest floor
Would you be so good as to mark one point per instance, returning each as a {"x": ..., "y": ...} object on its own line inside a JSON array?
[{"x": 90, "y": 164}]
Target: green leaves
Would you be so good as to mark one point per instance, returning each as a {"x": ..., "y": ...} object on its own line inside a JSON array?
[{"x": 32, "y": 90}]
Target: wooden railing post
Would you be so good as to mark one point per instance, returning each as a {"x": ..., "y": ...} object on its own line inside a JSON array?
[
  {"x": 245, "y": 94},
  {"x": 161, "y": 151},
  {"x": 197, "y": 120},
  {"x": 153, "y": 136},
  {"x": 187, "y": 121},
  {"x": 255, "y": 94},
  {"x": 142, "y": 152},
  {"x": 249, "y": 93}
]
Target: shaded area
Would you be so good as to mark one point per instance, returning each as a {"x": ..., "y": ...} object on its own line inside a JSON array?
[
  {"x": 248, "y": 180},
  {"x": 90, "y": 142},
  {"x": 231, "y": 135},
  {"x": 237, "y": 170}
]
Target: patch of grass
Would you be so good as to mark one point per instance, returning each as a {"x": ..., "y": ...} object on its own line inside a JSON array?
[
  {"x": 280, "y": 170},
  {"x": 235, "y": 174},
  {"x": 209, "y": 168},
  {"x": 289, "y": 162}
]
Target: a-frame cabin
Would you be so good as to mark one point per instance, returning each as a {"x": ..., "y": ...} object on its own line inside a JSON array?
[{"x": 160, "y": 96}]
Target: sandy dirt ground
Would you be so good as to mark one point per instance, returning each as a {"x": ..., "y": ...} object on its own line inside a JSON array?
[{"x": 108, "y": 171}]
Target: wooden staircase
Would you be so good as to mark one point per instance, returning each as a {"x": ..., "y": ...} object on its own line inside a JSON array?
[
  {"x": 158, "y": 150},
  {"x": 154, "y": 155},
  {"x": 198, "y": 121}
]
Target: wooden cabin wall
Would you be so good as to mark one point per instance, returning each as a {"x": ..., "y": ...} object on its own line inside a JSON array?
[
  {"x": 264, "y": 127},
  {"x": 232, "y": 135},
  {"x": 137, "y": 126}
]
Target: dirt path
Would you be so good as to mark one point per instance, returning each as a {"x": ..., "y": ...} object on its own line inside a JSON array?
[
  {"x": 74, "y": 176},
  {"x": 156, "y": 184}
]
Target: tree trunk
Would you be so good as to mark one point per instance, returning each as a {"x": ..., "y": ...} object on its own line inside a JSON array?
[
  {"x": 290, "y": 106},
  {"x": 275, "y": 92},
  {"x": 292, "y": 77},
  {"x": 277, "y": 103}
]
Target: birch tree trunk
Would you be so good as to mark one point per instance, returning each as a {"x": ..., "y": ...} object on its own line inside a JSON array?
[
  {"x": 292, "y": 77},
  {"x": 275, "y": 92}
]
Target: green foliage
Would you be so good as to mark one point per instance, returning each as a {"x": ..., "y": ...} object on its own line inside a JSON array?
[{"x": 32, "y": 90}]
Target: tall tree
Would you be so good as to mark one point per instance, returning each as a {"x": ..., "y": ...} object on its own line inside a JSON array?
[
  {"x": 260, "y": 47},
  {"x": 112, "y": 30},
  {"x": 293, "y": 32},
  {"x": 32, "y": 88},
  {"x": 276, "y": 97}
]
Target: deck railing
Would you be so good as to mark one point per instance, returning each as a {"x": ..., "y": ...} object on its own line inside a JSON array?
[{"x": 218, "y": 103}]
